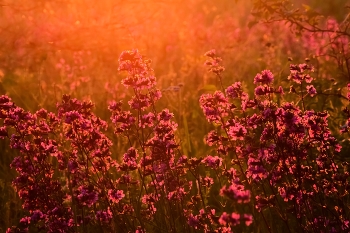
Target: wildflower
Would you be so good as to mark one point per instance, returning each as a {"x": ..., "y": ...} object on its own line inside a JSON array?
[
  {"x": 37, "y": 215},
  {"x": 236, "y": 192},
  {"x": 235, "y": 90},
  {"x": 260, "y": 90},
  {"x": 237, "y": 132},
  {"x": 104, "y": 216},
  {"x": 87, "y": 195},
  {"x": 210, "y": 53},
  {"x": 212, "y": 162},
  {"x": 311, "y": 90},
  {"x": 193, "y": 221},
  {"x": 232, "y": 219},
  {"x": 265, "y": 77},
  {"x": 214, "y": 62},
  {"x": 115, "y": 195},
  {"x": 256, "y": 169},
  {"x": 248, "y": 219}
]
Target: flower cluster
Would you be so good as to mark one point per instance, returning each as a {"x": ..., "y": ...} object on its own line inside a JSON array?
[
  {"x": 214, "y": 62},
  {"x": 270, "y": 158},
  {"x": 283, "y": 154},
  {"x": 42, "y": 193}
]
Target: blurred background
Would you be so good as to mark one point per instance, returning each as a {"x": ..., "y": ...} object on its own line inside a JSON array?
[{"x": 66, "y": 46}]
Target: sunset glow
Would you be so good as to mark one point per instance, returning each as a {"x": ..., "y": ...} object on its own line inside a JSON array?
[{"x": 173, "y": 116}]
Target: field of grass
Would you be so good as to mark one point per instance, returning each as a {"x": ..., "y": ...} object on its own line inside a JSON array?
[{"x": 174, "y": 116}]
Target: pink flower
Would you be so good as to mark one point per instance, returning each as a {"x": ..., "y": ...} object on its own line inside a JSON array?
[
  {"x": 265, "y": 77},
  {"x": 193, "y": 221},
  {"x": 311, "y": 90},
  {"x": 212, "y": 162},
  {"x": 116, "y": 195}
]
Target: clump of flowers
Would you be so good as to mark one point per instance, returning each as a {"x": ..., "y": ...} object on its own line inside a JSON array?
[
  {"x": 269, "y": 158},
  {"x": 285, "y": 156}
]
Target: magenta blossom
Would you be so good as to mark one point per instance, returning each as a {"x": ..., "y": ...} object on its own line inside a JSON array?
[{"x": 265, "y": 77}]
